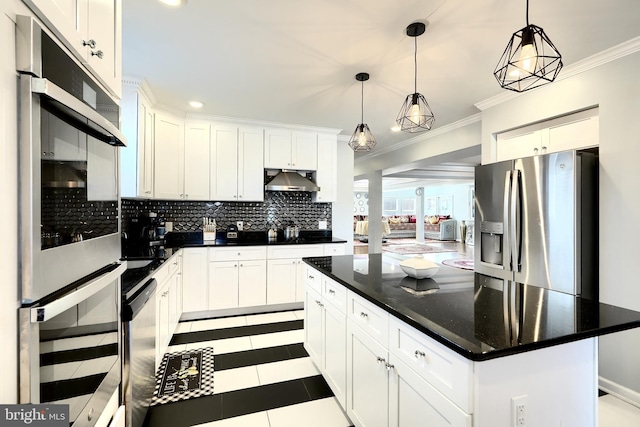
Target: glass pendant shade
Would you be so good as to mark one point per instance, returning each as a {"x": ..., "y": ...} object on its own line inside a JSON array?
[
  {"x": 362, "y": 138},
  {"x": 415, "y": 114},
  {"x": 530, "y": 60}
]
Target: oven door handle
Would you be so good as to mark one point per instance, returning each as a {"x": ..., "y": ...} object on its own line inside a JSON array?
[
  {"x": 43, "y": 313},
  {"x": 108, "y": 130}
]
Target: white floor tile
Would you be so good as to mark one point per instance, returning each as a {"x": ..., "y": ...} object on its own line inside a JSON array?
[
  {"x": 228, "y": 345},
  {"x": 277, "y": 338},
  {"x": 176, "y": 348},
  {"x": 299, "y": 314},
  {"x": 258, "y": 419},
  {"x": 259, "y": 319},
  {"x": 221, "y": 323},
  {"x": 317, "y": 413},
  {"x": 285, "y": 370},
  {"x": 183, "y": 327},
  {"x": 614, "y": 412},
  {"x": 235, "y": 379}
]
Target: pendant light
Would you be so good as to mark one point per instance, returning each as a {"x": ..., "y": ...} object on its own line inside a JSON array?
[
  {"x": 530, "y": 60},
  {"x": 415, "y": 114},
  {"x": 362, "y": 138}
]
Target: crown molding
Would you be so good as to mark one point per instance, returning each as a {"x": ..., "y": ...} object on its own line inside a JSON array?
[
  {"x": 609, "y": 55},
  {"x": 260, "y": 123},
  {"x": 422, "y": 137}
]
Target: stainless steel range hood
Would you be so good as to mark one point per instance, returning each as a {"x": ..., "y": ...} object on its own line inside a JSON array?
[{"x": 291, "y": 181}]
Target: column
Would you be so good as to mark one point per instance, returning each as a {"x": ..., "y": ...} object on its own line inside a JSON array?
[
  {"x": 420, "y": 214},
  {"x": 375, "y": 211}
]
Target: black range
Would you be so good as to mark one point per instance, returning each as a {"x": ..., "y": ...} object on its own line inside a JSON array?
[{"x": 461, "y": 310}]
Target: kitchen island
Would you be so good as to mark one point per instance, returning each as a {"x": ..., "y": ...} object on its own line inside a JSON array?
[{"x": 457, "y": 349}]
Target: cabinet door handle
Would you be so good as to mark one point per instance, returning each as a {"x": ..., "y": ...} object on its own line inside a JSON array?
[
  {"x": 331, "y": 291},
  {"x": 363, "y": 314},
  {"x": 147, "y": 192},
  {"x": 535, "y": 150},
  {"x": 419, "y": 353},
  {"x": 311, "y": 277},
  {"x": 544, "y": 148},
  {"x": 389, "y": 366},
  {"x": 91, "y": 43},
  {"x": 99, "y": 54},
  {"x": 381, "y": 360}
]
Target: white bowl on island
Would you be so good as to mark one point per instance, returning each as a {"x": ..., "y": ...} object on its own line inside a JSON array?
[{"x": 419, "y": 268}]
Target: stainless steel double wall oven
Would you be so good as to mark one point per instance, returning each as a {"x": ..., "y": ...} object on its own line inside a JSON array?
[{"x": 70, "y": 329}]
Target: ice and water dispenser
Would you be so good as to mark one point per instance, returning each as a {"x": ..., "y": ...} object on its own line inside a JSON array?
[{"x": 491, "y": 242}]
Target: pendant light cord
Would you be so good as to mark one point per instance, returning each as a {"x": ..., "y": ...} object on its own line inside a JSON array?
[
  {"x": 415, "y": 64},
  {"x": 362, "y": 102},
  {"x": 527, "y": 13}
]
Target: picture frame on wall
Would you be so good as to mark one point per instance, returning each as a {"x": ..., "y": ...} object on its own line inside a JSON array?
[
  {"x": 469, "y": 239},
  {"x": 445, "y": 205},
  {"x": 431, "y": 205}
]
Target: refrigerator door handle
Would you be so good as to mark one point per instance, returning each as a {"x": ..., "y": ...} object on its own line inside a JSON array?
[
  {"x": 506, "y": 237},
  {"x": 514, "y": 223}
]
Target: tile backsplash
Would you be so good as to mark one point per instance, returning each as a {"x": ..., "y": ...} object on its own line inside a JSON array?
[{"x": 279, "y": 208}]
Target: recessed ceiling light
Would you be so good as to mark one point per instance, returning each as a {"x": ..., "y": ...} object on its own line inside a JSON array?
[
  {"x": 174, "y": 3},
  {"x": 196, "y": 104},
  {"x": 395, "y": 128}
]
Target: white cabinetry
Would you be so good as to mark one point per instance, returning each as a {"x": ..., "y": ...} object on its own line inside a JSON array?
[
  {"x": 194, "y": 279},
  {"x": 287, "y": 149},
  {"x": 574, "y": 131},
  {"x": 326, "y": 174},
  {"x": 237, "y": 163},
  {"x": 168, "y": 176},
  {"x": 286, "y": 271},
  {"x": 136, "y": 167},
  {"x": 92, "y": 31},
  {"x": 197, "y": 137},
  {"x": 325, "y": 330},
  {"x": 168, "y": 302},
  {"x": 237, "y": 277}
]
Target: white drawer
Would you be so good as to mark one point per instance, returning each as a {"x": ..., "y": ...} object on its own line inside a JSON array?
[
  {"x": 313, "y": 279},
  {"x": 371, "y": 319},
  {"x": 331, "y": 249},
  {"x": 334, "y": 293},
  {"x": 238, "y": 253},
  {"x": 449, "y": 372},
  {"x": 294, "y": 251}
]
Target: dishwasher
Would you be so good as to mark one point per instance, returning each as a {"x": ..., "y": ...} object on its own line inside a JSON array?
[{"x": 139, "y": 341}]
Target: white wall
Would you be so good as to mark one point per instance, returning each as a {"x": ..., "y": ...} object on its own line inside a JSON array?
[
  {"x": 461, "y": 205},
  {"x": 615, "y": 88},
  {"x": 342, "y": 208}
]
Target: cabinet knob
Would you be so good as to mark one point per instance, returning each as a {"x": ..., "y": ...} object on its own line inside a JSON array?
[
  {"x": 419, "y": 354},
  {"x": 535, "y": 150},
  {"x": 381, "y": 360},
  {"x": 363, "y": 314},
  {"x": 389, "y": 366},
  {"x": 99, "y": 54},
  {"x": 331, "y": 291},
  {"x": 544, "y": 148},
  {"x": 51, "y": 153},
  {"x": 91, "y": 43},
  {"x": 44, "y": 153},
  {"x": 238, "y": 253},
  {"x": 241, "y": 265},
  {"x": 311, "y": 277},
  {"x": 239, "y": 196},
  {"x": 147, "y": 192}
]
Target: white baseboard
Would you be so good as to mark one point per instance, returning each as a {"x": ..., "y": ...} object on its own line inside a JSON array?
[{"x": 621, "y": 392}]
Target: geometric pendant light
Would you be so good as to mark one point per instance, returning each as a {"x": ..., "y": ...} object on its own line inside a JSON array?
[
  {"x": 415, "y": 114},
  {"x": 530, "y": 60},
  {"x": 362, "y": 138}
]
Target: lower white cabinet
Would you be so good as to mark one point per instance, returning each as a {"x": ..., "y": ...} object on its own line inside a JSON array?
[
  {"x": 241, "y": 282},
  {"x": 168, "y": 303},
  {"x": 286, "y": 271},
  {"x": 194, "y": 279}
]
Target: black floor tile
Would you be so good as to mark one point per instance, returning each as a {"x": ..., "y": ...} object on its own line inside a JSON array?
[
  {"x": 264, "y": 398},
  {"x": 602, "y": 393},
  {"x": 186, "y": 412},
  {"x": 317, "y": 387},
  {"x": 259, "y": 356},
  {"x": 240, "y": 331}
]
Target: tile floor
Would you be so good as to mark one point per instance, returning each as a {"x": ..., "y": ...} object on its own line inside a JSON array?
[{"x": 264, "y": 378}]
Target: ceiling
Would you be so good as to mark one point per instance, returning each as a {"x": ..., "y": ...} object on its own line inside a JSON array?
[{"x": 294, "y": 61}]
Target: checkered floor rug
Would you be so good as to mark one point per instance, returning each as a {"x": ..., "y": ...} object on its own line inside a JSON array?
[{"x": 184, "y": 375}]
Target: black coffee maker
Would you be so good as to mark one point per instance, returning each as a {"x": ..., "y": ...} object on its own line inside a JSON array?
[{"x": 143, "y": 238}]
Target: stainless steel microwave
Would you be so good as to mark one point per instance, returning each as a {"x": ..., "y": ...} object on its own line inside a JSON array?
[{"x": 69, "y": 135}]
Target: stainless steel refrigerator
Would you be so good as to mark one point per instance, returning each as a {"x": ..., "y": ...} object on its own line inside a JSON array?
[{"x": 537, "y": 221}]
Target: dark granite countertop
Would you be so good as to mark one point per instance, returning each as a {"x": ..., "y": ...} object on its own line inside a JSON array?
[{"x": 471, "y": 315}]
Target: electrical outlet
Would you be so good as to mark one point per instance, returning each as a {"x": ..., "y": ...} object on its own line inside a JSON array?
[
  {"x": 322, "y": 225},
  {"x": 519, "y": 411},
  {"x": 240, "y": 225}
]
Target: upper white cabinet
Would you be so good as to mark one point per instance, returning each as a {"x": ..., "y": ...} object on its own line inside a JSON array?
[
  {"x": 137, "y": 157},
  {"x": 236, "y": 163},
  {"x": 287, "y": 149},
  {"x": 168, "y": 176},
  {"x": 326, "y": 174},
  {"x": 92, "y": 31},
  {"x": 574, "y": 131},
  {"x": 197, "y": 141}
]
